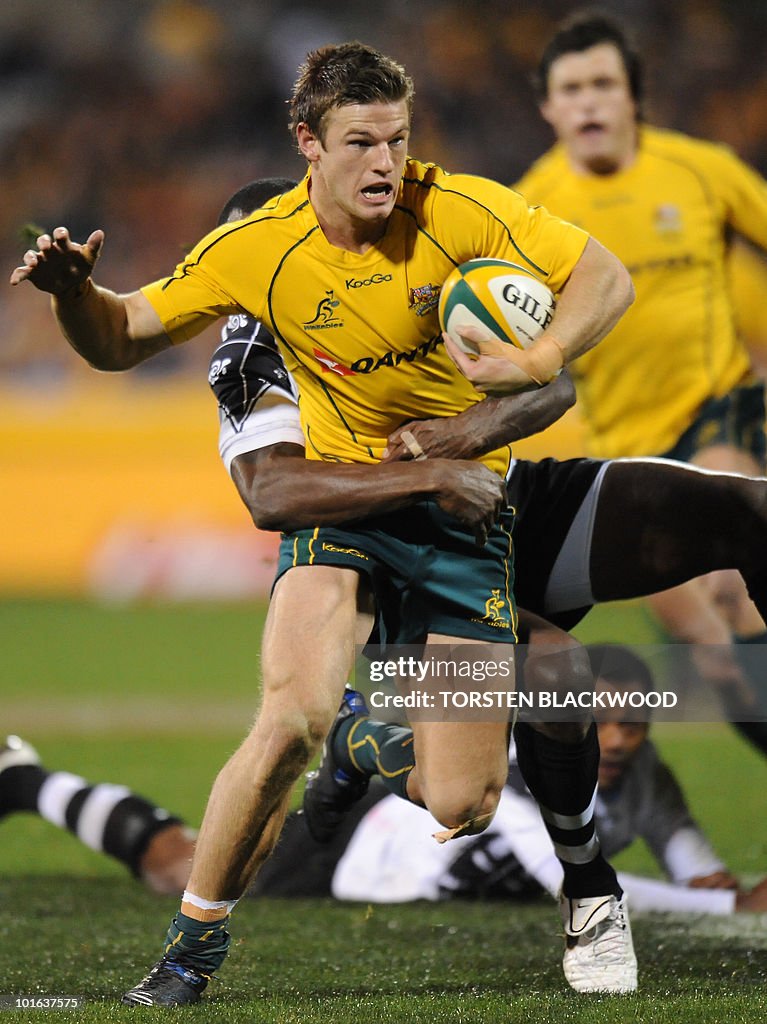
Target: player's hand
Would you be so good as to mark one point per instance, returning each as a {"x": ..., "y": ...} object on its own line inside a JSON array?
[
  {"x": 472, "y": 493},
  {"x": 59, "y": 265},
  {"x": 754, "y": 901},
  {"x": 495, "y": 369},
  {"x": 446, "y": 437}
]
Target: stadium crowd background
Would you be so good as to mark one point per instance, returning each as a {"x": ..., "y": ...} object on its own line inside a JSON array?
[{"x": 142, "y": 118}]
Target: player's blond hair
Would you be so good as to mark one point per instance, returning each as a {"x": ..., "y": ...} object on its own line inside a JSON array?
[{"x": 341, "y": 74}]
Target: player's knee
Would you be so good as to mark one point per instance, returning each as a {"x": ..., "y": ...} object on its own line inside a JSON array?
[
  {"x": 562, "y": 671},
  {"x": 296, "y": 732},
  {"x": 458, "y": 803}
]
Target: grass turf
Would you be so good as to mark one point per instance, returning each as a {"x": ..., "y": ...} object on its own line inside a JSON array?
[
  {"x": 315, "y": 961},
  {"x": 75, "y": 924}
]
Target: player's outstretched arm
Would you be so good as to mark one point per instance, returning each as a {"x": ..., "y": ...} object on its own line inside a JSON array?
[
  {"x": 110, "y": 331},
  {"x": 595, "y": 297},
  {"x": 485, "y": 426},
  {"x": 285, "y": 492}
]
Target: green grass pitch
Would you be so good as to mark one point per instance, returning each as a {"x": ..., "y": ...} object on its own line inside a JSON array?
[{"x": 157, "y": 697}]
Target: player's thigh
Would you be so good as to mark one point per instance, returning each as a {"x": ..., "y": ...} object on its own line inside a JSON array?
[
  {"x": 555, "y": 504},
  {"x": 309, "y": 638},
  {"x": 660, "y": 523},
  {"x": 549, "y": 658},
  {"x": 654, "y": 526},
  {"x": 725, "y": 587}
]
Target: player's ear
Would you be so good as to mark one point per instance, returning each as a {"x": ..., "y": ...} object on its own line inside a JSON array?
[
  {"x": 545, "y": 110},
  {"x": 308, "y": 143}
]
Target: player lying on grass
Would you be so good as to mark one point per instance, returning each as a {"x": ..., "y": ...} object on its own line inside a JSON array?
[
  {"x": 382, "y": 850},
  {"x": 155, "y": 846}
]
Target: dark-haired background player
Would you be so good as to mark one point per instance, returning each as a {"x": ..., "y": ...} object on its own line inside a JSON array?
[{"x": 674, "y": 378}]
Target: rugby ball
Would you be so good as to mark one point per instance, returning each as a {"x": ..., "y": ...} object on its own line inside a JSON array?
[{"x": 498, "y": 296}]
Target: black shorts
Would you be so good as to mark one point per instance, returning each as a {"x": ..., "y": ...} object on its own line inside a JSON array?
[
  {"x": 555, "y": 504},
  {"x": 735, "y": 419}
]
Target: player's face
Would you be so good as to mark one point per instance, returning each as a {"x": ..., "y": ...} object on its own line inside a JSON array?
[
  {"x": 357, "y": 170},
  {"x": 590, "y": 107},
  {"x": 621, "y": 733}
]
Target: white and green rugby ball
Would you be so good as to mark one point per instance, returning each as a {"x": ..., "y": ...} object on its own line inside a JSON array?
[{"x": 498, "y": 296}]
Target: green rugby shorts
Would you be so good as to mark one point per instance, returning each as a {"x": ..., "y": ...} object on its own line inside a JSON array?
[{"x": 426, "y": 572}]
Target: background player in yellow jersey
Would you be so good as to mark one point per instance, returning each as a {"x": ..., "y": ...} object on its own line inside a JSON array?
[
  {"x": 673, "y": 379},
  {"x": 366, "y": 358}
]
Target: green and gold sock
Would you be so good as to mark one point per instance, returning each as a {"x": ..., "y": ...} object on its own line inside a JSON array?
[
  {"x": 201, "y": 945},
  {"x": 369, "y": 747}
]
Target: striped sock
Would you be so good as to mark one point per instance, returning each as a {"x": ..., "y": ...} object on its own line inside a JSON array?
[
  {"x": 562, "y": 778},
  {"x": 107, "y": 818},
  {"x": 20, "y": 786}
]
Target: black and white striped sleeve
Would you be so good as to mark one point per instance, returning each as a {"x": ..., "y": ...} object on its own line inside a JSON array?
[{"x": 256, "y": 396}]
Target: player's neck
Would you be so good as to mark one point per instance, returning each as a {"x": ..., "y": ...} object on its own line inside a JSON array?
[
  {"x": 603, "y": 165},
  {"x": 351, "y": 236},
  {"x": 342, "y": 229}
]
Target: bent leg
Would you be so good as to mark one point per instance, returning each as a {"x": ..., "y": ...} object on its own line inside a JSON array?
[
  {"x": 460, "y": 770},
  {"x": 559, "y": 761},
  {"x": 659, "y": 524},
  {"x": 460, "y": 766}
]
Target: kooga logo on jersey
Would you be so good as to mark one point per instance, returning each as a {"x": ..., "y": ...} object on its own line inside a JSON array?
[{"x": 352, "y": 282}]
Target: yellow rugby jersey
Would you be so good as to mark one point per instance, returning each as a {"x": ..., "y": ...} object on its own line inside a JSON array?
[
  {"x": 360, "y": 333},
  {"x": 747, "y": 270},
  {"x": 666, "y": 217}
]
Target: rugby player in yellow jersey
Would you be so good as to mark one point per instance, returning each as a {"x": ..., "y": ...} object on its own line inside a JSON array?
[
  {"x": 674, "y": 379},
  {"x": 345, "y": 270}
]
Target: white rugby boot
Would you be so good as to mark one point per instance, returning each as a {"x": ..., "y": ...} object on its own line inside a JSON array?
[{"x": 599, "y": 952}]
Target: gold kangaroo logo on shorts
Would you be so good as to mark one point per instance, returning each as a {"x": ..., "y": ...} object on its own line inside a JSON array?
[{"x": 493, "y": 607}]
